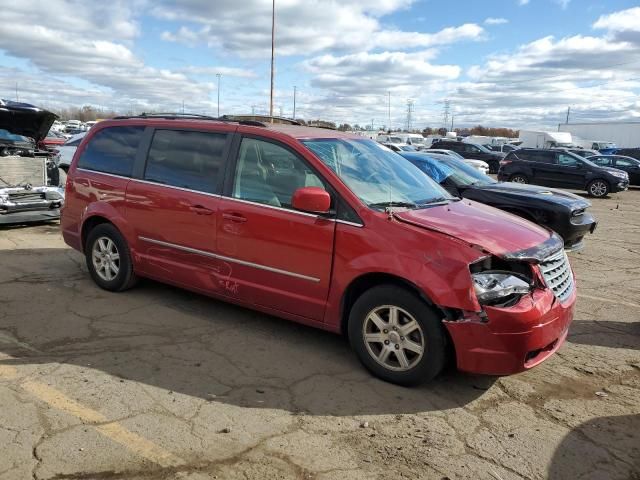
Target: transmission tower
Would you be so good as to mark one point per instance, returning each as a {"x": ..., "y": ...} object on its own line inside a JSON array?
[
  {"x": 409, "y": 115},
  {"x": 445, "y": 113}
]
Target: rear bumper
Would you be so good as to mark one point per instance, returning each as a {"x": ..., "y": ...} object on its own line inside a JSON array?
[{"x": 513, "y": 339}]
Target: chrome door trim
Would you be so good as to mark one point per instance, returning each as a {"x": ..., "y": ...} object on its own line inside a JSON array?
[
  {"x": 103, "y": 173},
  {"x": 229, "y": 259},
  {"x": 288, "y": 210},
  {"x": 353, "y": 224},
  {"x": 157, "y": 184}
]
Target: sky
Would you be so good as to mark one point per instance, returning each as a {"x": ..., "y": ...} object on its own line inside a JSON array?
[{"x": 499, "y": 63}]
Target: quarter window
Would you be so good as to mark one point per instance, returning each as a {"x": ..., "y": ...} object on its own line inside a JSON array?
[
  {"x": 186, "y": 159},
  {"x": 112, "y": 150},
  {"x": 602, "y": 161},
  {"x": 269, "y": 174},
  {"x": 623, "y": 162}
]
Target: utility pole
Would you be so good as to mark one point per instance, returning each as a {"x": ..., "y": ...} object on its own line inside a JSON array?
[
  {"x": 182, "y": 106},
  {"x": 389, "y": 112},
  {"x": 17, "y": 97},
  {"x": 294, "y": 101},
  {"x": 568, "y": 111},
  {"x": 409, "y": 114},
  {"x": 218, "y": 75},
  {"x": 253, "y": 109},
  {"x": 273, "y": 47},
  {"x": 451, "y": 122}
]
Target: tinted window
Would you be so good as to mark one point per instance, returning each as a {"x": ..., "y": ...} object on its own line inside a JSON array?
[
  {"x": 267, "y": 173},
  {"x": 112, "y": 150},
  {"x": 542, "y": 156},
  {"x": 602, "y": 161},
  {"x": 186, "y": 159},
  {"x": 522, "y": 155},
  {"x": 567, "y": 160}
]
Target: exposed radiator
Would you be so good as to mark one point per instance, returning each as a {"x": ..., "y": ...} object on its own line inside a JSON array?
[{"x": 16, "y": 170}]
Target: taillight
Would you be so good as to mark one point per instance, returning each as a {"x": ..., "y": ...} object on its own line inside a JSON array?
[{"x": 504, "y": 162}]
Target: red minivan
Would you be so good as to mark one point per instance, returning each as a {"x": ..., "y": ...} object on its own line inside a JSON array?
[{"x": 323, "y": 228}]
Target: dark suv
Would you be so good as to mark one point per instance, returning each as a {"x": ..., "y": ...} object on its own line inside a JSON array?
[
  {"x": 472, "y": 150},
  {"x": 558, "y": 168}
]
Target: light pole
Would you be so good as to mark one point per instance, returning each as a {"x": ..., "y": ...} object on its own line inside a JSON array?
[
  {"x": 389, "y": 127},
  {"x": 273, "y": 46},
  {"x": 294, "y": 101},
  {"x": 218, "y": 75}
]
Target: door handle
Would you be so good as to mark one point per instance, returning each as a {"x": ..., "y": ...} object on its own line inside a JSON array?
[
  {"x": 200, "y": 210},
  {"x": 234, "y": 217}
]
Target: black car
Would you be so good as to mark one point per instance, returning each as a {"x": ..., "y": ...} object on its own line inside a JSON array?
[
  {"x": 560, "y": 168},
  {"x": 504, "y": 148},
  {"x": 563, "y": 212},
  {"x": 628, "y": 164},
  {"x": 472, "y": 150},
  {"x": 581, "y": 152}
]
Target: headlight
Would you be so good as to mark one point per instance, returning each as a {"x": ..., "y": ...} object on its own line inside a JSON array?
[
  {"x": 491, "y": 286},
  {"x": 619, "y": 174}
]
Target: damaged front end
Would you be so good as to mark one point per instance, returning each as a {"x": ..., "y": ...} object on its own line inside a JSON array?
[
  {"x": 526, "y": 301},
  {"x": 31, "y": 186}
]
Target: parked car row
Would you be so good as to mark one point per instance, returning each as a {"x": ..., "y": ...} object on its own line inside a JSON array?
[{"x": 326, "y": 229}]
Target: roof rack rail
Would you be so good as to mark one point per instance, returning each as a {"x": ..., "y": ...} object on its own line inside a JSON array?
[
  {"x": 259, "y": 120},
  {"x": 170, "y": 115}
]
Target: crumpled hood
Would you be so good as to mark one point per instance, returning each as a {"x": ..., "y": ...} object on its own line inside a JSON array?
[
  {"x": 539, "y": 193},
  {"x": 494, "y": 230},
  {"x": 25, "y": 119}
]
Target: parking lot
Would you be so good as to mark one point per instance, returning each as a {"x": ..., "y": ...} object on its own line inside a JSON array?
[{"x": 162, "y": 383}]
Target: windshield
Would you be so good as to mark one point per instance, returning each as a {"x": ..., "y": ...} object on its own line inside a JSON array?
[
  {"x": 451, "y": 153},
  {"x": 376, "y": 175},
  {"x": 482, "y": 148}
]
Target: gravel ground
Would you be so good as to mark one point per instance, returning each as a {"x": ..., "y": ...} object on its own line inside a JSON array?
[{"x": 161, "y": 383}]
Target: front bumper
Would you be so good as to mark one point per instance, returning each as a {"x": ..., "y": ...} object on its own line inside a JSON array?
[
  {"x": 512, "y": 339},
  {"x": 33, "y": 204},
  {"x": 29, "y": 216},
  {"x": 573, "y": 230},
  {"x": 620, "y": 186}
]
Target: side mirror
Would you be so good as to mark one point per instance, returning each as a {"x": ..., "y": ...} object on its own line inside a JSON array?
[{"x": 312, "y": 200}]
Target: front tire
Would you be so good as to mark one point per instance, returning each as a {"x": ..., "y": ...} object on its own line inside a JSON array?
[
  {"x": 397, "y": 336},
  {"x": 598, "y": 188},
  {"x": 108, "y": 258}
]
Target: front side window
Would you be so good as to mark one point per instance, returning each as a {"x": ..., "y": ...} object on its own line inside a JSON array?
[
  {"x": 625, "y": 162},
  {"x": 112, "y": 150},
  {"x": 376, "y": 175},
  {"x": 186, "y": 159},
  {"x": 268, "y": 173},
  {"x": 565, "y": 160},
  {"x": 601, "y": 161}
]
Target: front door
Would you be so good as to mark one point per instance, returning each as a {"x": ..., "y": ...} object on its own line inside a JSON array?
[
  {"x": 274, "y": 256},
  {"x": 173, "y": 206},
  {"x": 571, "y": 171}
]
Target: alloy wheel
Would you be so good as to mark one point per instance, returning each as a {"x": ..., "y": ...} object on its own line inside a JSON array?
[
  {"x": 519, "y": 179},
  {"x": 105, "y": 258},
  {"x": 393, "y": 338},
  {"x": 598, "y": 188}
]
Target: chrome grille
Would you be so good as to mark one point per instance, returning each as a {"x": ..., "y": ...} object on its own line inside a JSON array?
[{"x": 557, "y": 275}]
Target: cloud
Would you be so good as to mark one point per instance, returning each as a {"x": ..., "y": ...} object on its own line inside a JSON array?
[
  {"x": 523, "y": 2},
  {"x": 224, "y": 71},
  {"x": 495, "y": 21},
  {"x": 302, "y": 26}
]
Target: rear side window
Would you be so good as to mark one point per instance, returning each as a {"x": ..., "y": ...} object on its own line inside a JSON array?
[
  {"x": 542, "y": 156},
  {"x": 602, "y": 161},
  {"x": 186, "y": 159},
  {"x": 520, "y": 155},
  {"x": 624, "y": 162},
  {"x": 112, "y": 150}
]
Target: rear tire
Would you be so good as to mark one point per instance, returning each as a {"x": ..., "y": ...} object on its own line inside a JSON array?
[
  {"x": 598, "y": 188},
  {"x": 519, "y": 178},
  {"x": 108, "y": 258},
  {"x": 397, "y": 336}
]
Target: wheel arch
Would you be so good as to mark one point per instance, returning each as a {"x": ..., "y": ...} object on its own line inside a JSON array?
[
  {"x": 364, "y": 282},
  {"x": 89, "y": 224}
]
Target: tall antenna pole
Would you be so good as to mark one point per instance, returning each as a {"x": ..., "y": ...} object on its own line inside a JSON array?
[
  {"x": 273, "y": 47},
  {"x": 218, "y": 75},
  {"x": 294, "y": 101},
  {"x": 568, "y": 111}
]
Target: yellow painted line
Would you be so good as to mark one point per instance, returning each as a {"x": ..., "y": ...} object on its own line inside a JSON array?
[
  {"x": 116, "y": 432},
  {"x": 609, "y": 300}
]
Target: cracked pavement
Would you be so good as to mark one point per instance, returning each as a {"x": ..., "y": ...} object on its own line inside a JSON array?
[{"x": 165, "y": 384}]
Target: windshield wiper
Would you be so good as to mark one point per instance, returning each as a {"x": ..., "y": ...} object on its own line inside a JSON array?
[
  {"x": 393, "y": 204},
  {"x": 436, "y": 200}
]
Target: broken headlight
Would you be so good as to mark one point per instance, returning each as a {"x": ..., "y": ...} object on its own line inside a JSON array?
[{"x": 498, "y": 287}]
